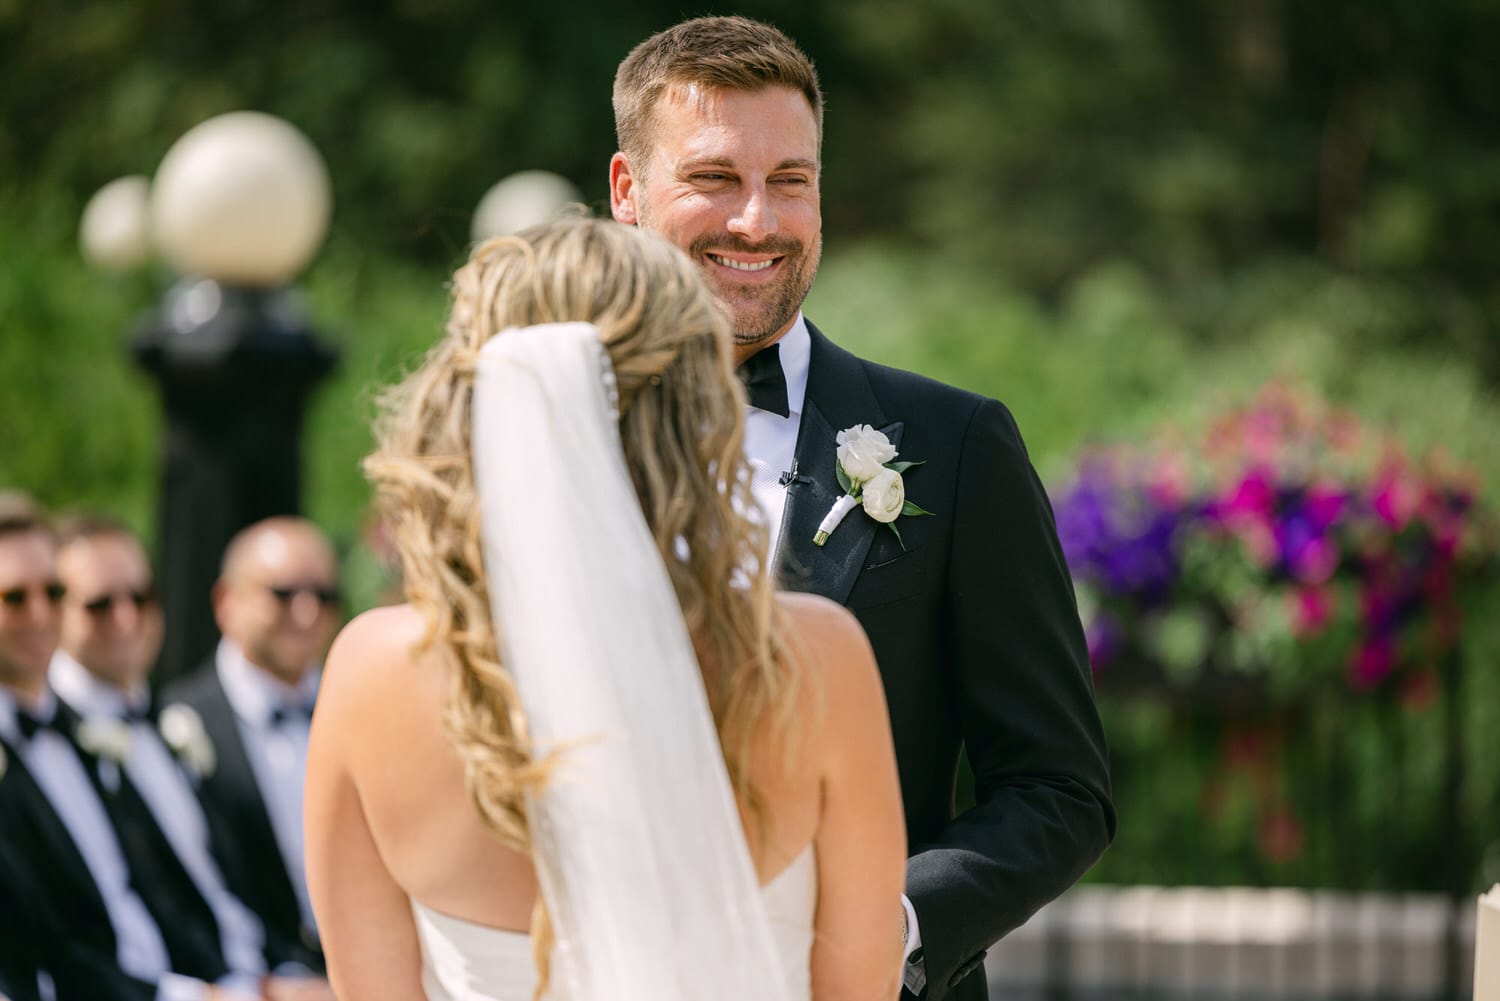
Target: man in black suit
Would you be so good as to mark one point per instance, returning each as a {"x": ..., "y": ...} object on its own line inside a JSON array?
[
  {"x": 970, "y": 610},
  {"x": 107, "y": 911},
  {"x": 111, "y": 636},
  {"x": 276, "y": 603}
]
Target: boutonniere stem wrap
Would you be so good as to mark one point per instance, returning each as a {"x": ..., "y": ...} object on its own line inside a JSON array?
[{"x": 871, "y": 478}]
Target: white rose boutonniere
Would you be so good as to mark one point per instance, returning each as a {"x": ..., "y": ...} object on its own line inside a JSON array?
[
  {"x": 183, "y": 731},
  {"x": 871, "y": 477},
  {"x": 105, "y": 739},
  {"x": 863, "y": 452}
]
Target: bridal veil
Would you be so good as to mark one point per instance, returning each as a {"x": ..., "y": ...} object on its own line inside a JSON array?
[{"x": 636, "y": 837}]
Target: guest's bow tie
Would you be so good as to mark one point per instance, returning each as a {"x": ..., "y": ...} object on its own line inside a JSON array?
[
  {"x": 291, "y": 712},
  {"x": 765, "y": 382},
  {"x": 60, "y": 722}
]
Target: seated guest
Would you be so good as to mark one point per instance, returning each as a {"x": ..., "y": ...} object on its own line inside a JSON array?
[
  {"x": 277, "y": 604},
  {"x": 103, "y": 905},
  {"x": 111, "y": 635}
]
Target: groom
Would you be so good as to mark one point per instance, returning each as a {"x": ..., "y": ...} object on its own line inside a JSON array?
[{"x": 973, "y": 621}]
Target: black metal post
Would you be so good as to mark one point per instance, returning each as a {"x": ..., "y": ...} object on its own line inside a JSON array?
[{"x": 236, "y": 367}]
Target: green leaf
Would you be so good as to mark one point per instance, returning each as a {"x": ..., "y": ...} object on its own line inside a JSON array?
[
  {"x": 901, "y": 466},
  {"x": 844, "y": 480},
  {"x": 909, "y": 508},
  {"x": 892, "y": 526}
]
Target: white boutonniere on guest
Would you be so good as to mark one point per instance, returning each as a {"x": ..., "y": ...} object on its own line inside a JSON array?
[
  {"x": 870, "y": 475},
  {"x": 182, "y": 730},
  {"x": 108, "y": 740},
  {"x": 105, "y": 739}
]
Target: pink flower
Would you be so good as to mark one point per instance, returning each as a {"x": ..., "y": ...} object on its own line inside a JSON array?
[
  {"x": 1371, "y": 663},
  {"x": 1170, "y": 481},
  {"x": 1325, "y": 503},
  {"x": 1252, "y": 496},
  {"x": 1396, "y": 497},
  {"x": 1312, "y": 610},
  {"x": 1316, "y": 561}
]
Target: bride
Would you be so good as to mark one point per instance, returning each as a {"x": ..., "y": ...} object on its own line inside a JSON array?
[{"x": 595, "y": 757}]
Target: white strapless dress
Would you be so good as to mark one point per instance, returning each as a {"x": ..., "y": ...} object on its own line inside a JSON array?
[{"x": 463, "y": 961}]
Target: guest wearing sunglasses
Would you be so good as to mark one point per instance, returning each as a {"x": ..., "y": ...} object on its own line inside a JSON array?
[
  {"x": 111, "y": 636},
  {"x": 277, "y": 606},
  {"x": 94, "y": 904}
]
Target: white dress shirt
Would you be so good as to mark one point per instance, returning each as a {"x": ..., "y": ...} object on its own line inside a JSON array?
[
  {"x": 140, "y": 950},
  {"x": 277, "y": 751},
  {"x": 771, "y": 439},
  {"x": 164, "y": 786}
]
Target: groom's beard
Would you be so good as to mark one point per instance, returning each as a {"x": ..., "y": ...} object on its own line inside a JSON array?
[{"x": 759, "y": 312}]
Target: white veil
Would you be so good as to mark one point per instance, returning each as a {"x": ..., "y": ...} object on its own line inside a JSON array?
[{"x": 637, "y": 839}]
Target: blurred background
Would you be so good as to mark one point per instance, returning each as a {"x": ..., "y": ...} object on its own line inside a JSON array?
[{"x": 1232, "y": 266}]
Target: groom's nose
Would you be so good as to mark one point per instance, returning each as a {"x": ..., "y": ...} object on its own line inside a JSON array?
[{"x": 754, "y": 217}]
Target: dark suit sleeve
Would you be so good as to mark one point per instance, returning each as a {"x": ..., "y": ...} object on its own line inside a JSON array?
[{"x": 1023, "y": 693}]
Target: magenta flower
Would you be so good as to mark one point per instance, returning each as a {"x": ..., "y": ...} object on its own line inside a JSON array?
[{"x": 1287, "y": 500}]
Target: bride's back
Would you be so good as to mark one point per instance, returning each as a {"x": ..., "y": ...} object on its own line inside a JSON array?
[{"x": 385, "y": 710}]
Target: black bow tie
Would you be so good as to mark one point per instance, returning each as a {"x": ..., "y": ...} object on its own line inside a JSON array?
[
  {"x": 61, "y": 722},
  {"x": 291, "y": 712},
  {"x": 765, "y": 382}
]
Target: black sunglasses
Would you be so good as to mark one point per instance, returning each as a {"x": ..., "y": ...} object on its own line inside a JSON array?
[
  {"x": 105, "y": 603},
  {"x": 285, "y": 595},
  {"x": 17, "y": 597}
]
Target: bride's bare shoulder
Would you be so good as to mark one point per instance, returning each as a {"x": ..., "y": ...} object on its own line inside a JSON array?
[
  {"x": 826, "y": 633},
  {"x": 375, "y": 650},
  {"x": 817, "y": 617}
]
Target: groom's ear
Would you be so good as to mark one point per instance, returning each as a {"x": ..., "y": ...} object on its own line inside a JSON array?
[{"x": 622, "y": 190}]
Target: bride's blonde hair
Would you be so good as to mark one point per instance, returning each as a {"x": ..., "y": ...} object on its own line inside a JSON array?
[{"x": 682, "y": 425}]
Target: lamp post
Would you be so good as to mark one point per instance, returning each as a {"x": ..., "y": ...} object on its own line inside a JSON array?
[{"x": 238, "y": 206}]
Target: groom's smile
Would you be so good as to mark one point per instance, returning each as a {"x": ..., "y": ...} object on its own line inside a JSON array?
[{"x": 733, "y": 180}]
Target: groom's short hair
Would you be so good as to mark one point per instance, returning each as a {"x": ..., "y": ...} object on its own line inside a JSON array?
[{"x": 728, "y": 53}]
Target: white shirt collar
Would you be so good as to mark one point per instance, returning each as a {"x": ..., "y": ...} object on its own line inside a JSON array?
[
  {"x": 85, "y": 692},
  {"x": 253, "y": 692},
  {"x": 795, "y": 352}
]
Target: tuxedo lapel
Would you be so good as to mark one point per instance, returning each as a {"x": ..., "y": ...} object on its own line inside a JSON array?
[
  {"x": 239, "y": 824},
  {"x": 838, "y": 397},
  {"x": 49, "y": 846},
  {"x": 241, "y": 829},
  {"x": 233, "y": 780}
]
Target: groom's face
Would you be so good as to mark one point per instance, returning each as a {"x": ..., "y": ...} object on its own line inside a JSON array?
[{"x": 732, "y": 178}]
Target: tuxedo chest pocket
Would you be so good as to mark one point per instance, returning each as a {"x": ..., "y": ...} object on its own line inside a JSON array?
[{"x": 887, "y": 578}]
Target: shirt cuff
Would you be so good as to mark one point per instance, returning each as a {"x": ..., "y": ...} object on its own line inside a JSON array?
[
  {"x": 914, "y": 969},
  {"x": 241, "y": 984},
  {"x": 176, "y": 987}
]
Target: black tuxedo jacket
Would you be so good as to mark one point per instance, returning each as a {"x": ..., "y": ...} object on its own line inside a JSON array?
[
  {"x": 977, "y": 635},
  {"x": 66, "y": 928},
  {"x": 243, "y": 838}
]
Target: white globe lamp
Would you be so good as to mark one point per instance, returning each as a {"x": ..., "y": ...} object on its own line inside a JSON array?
[
  {"x": 523, "y": 199},
  {"x": 243, "y": 199},
  {"x": 115, "y": 232}
]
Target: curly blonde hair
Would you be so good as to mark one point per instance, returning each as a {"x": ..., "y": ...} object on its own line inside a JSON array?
[{"x": 682, "y": 426}]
